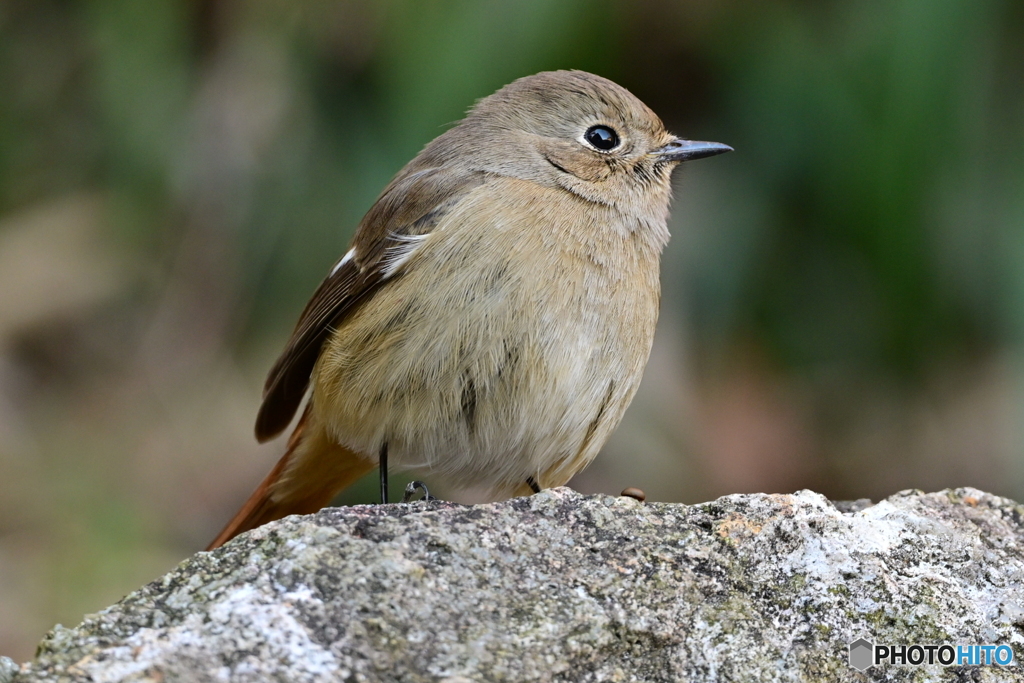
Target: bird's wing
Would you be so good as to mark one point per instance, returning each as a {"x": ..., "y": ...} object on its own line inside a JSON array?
[{"x": 407, "y": 210}]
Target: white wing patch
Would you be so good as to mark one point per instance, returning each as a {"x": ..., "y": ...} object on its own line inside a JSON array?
[
  {"x": 344, "y": 259},
  {"x": 399, "y": 253}
]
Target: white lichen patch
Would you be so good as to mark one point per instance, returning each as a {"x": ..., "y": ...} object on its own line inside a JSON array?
[{"x": 249, "y": 627}]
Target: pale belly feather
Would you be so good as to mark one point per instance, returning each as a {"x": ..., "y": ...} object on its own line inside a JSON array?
[{"x": 502, "y": 351}]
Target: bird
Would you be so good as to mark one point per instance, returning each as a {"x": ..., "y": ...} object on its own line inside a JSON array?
[{"x": 493, "y": 317}]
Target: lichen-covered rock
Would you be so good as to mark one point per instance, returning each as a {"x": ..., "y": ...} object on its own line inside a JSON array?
[
  {"x": 565, "y": 587},
  {"x": 7, "y": 669}
]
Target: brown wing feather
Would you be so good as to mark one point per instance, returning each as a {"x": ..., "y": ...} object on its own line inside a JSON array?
[
  {"x": 289, "y": 377},
  {"x": 411, "y": 205}
]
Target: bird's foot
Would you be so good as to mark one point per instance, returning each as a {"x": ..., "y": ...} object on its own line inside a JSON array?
[{"x": 411, "y": 490}]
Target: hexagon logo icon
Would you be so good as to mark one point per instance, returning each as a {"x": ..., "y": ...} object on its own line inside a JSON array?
[{"x": 860, "y": 653}]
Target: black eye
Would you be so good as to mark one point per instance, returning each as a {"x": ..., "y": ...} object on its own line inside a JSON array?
[{"x": 602, "y": 137}]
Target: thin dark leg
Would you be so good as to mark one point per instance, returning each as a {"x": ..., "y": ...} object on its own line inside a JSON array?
[
  {"x": 533, "y": 484},
  {"x": 382, "y": 465}
]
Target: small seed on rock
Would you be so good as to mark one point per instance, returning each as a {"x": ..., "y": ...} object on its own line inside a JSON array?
[{"x": 634, "y": 492}]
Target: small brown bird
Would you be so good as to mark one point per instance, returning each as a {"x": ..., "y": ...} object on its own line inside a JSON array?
[{"x": 492, "y": 320}]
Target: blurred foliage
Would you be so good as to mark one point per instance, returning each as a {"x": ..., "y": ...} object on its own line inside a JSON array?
[
  {"x": 843, "y": 295},
  {"x": 890, "y": 147}
]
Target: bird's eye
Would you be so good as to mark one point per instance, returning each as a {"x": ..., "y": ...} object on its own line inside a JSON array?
[{"x": 602, "y": 138}]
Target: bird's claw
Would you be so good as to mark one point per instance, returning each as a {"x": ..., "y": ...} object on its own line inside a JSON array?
[{"x": 412, "y": 488}]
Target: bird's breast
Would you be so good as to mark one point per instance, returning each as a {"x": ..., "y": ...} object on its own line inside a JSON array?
[{"x": 488, "y": 355}]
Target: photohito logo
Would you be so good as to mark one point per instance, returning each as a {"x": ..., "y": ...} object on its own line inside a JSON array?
[{"x": 864, "y": 653}]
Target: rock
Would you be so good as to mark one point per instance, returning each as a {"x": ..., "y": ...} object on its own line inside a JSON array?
[
  {"x": 565, "y": 587},
  {"x": 8, "y": 667}
]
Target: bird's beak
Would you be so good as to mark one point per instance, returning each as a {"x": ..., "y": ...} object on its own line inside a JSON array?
[{"x": 687, "y": 150}]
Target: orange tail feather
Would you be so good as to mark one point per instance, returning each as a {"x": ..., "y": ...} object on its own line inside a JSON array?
[{"x": 310, "y": 473}]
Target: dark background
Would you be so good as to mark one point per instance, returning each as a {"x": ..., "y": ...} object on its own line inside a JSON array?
[{"x": 844, "y": 294}]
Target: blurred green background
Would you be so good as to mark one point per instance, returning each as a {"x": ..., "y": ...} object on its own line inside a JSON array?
[{"x": 844, "y": 295}]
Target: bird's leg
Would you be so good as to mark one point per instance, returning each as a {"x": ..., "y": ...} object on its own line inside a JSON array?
[
  {"x": 412, "y": 487},
  {"x": 382, "y": 465},
  {"x": 533, "y": 484}
]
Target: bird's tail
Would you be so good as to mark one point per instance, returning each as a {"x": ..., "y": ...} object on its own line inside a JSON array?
[{"x": 310, "y": 473}]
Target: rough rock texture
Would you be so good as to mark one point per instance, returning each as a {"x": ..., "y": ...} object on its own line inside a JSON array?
[{"x": 565, "y": 587}]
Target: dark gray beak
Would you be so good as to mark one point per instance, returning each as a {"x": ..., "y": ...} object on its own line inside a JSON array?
[{"x": 687, "y": 150}]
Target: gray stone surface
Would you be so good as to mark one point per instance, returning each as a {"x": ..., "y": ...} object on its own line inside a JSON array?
[
  {"x": 8, "y": 667},
  {"x": 565, "y": 587}
]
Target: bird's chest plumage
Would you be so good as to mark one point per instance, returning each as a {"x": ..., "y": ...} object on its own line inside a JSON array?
[{"x": 507, "y": 346}]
